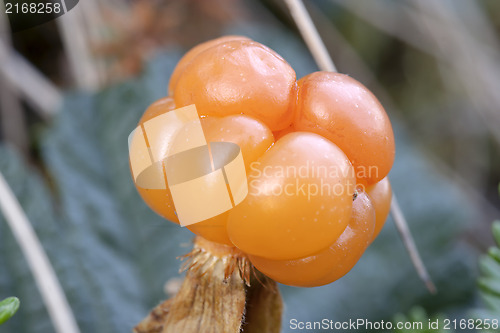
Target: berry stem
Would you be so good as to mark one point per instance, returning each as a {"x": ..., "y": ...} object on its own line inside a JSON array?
[
  {"x": 220, "y": 293},
  {"x": 325, "y": 63}
]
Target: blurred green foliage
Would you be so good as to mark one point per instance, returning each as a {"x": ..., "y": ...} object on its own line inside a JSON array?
[
  {"x": 489, "y": 282},
  {"x": 8, "y": 308},
  {"x": 420, "y": 316}
]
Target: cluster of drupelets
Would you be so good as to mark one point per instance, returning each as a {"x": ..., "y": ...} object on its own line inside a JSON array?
[{"x": 248, "y": 94}]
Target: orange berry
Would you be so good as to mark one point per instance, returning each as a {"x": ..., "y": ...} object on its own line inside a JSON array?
[
  {"x": 344, "y": 111},
  {"x": 329, "y": 264},
  {"x": 239, "y": 77},
  {"x": 251, "y": 135},
  {"x": 306, "y": 145},
  {"x": 161, "y": 106},
  {"x": 213, "y": 229},
  {"x": 299, "y": 200},
  {"x": 159, "y": 200},
  {"x": 381, "y": 196},
  {"x": 254, "y": 138},
  {"x": 191, "y": 54}
]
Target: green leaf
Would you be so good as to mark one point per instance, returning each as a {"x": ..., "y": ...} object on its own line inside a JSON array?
[
  {"x": 489, "y": 282},
  {"x": 489, "y": 267},
  {"x": 496, "y": 231},
  {"x": 8, "y": 307},
  {"x": 494, "y": 253},
  {"x": 490, "y": 285},
  {"x": 491, "y": 301}
]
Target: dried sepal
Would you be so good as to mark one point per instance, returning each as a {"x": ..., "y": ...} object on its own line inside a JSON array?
[{"x": 205, "y": 254}]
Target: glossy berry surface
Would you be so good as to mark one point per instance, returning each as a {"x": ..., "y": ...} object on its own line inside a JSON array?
[
  {"x": 331, "y": 263},
  {"x": 316, "y": 152},
  {"x": 239, "y": 77},
  {"x": 159, "y": 200},
  {"x": 344, "y": 111},
  {"x": 193, "y": 53},
  {"x": 295, "y": 205},
  {"x": 254, "y": 139},
  {"x": 381, "y": 197}
]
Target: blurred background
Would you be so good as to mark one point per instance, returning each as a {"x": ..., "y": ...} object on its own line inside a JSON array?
[{"x": 71, "y": 90}]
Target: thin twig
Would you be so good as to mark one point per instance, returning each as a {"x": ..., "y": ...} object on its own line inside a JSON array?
[
  {"x": 76, "y": 45},
  {"x": 22, "y": 76},
  {"x": 404, "y": 232},
  {"x": 52, "y": 293},
  {"x": 307, "y": 29},
  {"x": 12, "y": 120},
  {"x": 94, "y": 24},
  {"x": 311, "y": 35}
]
